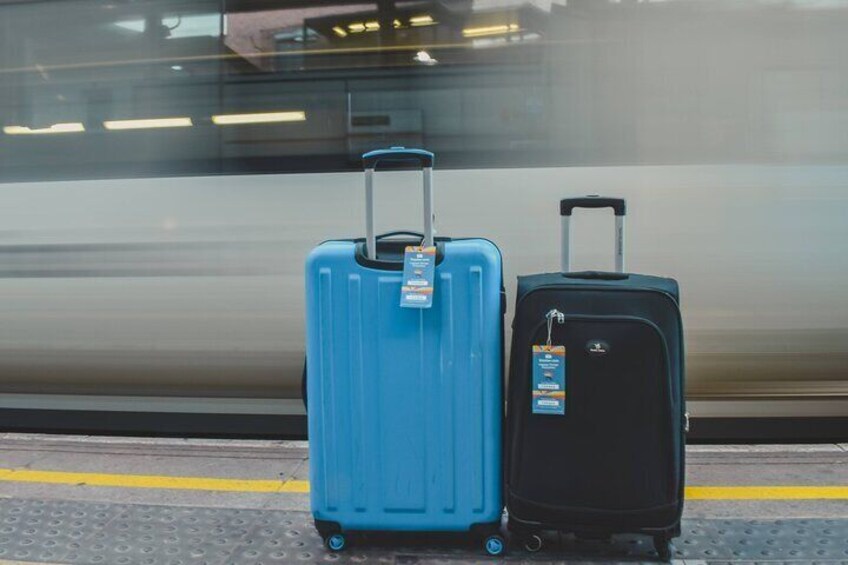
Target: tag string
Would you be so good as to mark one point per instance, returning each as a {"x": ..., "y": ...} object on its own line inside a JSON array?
[
  {"x": 550, "y": 326},
  {"x": 550, "y": 316}
]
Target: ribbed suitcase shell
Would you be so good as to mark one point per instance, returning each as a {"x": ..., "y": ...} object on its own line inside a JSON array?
[{"x": 405, "y": 405}]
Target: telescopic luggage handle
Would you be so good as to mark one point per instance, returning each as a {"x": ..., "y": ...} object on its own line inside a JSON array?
[
  {"x": 567, "y": 205},
  {"x": 397, "y": 154}
]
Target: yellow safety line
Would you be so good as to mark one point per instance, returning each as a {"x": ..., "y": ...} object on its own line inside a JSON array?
[
  {"x": 4, "y": 562},
  {"x": 152, "y": 481},
  {"x": 767, "y": 493},
  {"x": 257, "y": 485}
]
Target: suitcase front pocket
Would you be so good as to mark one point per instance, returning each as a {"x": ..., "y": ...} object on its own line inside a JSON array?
[{"x": 613, "y": 448}]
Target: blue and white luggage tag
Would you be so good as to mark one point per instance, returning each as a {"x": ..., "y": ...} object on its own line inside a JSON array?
[
  {"x": 549, "y": 373},
  {"x": 419, "y": 270}
]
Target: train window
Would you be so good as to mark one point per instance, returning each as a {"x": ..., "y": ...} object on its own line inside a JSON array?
[{"x": 121, "y": 88}]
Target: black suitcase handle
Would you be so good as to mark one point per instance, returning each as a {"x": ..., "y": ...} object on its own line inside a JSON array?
[
  {"x": 390, "y": 234},
  {"x": 567, "y": 205},
  {"x": 597, "y": 276}
]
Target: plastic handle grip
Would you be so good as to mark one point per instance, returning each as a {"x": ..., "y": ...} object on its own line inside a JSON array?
[
  {"x": 390, "y": 234},
  {"x": 395, "y": 154},
  {"x": 567, "y": 205}
]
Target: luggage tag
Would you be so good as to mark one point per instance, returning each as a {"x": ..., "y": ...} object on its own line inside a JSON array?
[
  {"x": 419, "y": 269},
  {"x": 549, "y": 373}
]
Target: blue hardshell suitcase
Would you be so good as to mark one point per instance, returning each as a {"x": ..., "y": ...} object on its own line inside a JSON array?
[{"x": 405, "y": 404}]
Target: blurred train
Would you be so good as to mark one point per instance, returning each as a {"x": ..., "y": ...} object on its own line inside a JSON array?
[{"x": 166, "y": 167}]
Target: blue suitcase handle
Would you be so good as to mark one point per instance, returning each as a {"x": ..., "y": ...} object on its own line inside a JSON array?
[
  {"x": 370, "y": 159},
  {"x": 389, "y": 234}
]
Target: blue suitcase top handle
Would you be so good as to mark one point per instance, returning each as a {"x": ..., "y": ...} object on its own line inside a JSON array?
[{"x": 422, "y": 156}]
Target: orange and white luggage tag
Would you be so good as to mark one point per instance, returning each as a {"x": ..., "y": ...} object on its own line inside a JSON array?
[
  {"x": 419, "y": 269},
  {"x": 549, "y": 372}
]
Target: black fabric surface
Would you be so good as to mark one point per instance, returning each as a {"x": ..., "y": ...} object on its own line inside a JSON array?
[{"x": 615, "y": 459}]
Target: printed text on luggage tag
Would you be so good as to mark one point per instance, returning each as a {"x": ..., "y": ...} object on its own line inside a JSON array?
[
  {"x": 549, "y": 379},
  {"x": 419, "y": 269}
]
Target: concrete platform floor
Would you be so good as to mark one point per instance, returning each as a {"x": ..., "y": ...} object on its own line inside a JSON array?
[{"x": 779, "y": 498}]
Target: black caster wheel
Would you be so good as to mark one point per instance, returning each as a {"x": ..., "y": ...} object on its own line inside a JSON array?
[
  {"x": 495, "y": 545},
  {"x": 663, "y": 548},
  {"x": 532, "y": 542},
  {"x": 336, "y": 542}
]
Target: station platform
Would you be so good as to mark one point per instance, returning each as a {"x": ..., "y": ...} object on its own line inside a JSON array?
[{"x": 126, "y": 501}]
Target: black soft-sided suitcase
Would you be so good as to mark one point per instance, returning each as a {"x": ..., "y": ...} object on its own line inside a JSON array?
[{"x": 614, "y": 461}]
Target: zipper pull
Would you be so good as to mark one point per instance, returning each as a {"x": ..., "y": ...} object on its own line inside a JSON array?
[{"x": 552, "y": 315}]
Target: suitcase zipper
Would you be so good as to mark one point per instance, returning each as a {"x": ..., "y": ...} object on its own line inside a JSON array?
[
  {"x": 593, "y": 287},
  {"x": 561, "y": 318}
]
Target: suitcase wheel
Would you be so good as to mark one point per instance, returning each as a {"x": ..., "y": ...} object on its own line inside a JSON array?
[
  {"x": 495, "y": 545},
  {"x": 336, "y": 542},
  {"x": 663, "y": 547},
  {"x": 532, "y": 542}
]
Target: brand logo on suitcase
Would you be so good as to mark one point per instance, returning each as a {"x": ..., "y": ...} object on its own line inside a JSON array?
[{"x": 597, "y": 347}]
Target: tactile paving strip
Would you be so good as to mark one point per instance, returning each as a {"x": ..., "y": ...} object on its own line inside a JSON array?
[{"x": 55, "y": 531}]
